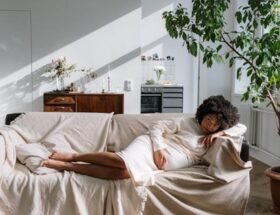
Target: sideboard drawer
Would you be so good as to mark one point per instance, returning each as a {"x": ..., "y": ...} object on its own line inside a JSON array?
[
  {"x": 59, "y": 108},
  {"x": 59, "y": 99}
]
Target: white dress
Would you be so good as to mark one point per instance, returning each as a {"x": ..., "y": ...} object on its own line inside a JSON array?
[{"x": 178, "y": 137}]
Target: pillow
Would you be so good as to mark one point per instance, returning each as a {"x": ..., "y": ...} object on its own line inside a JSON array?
[{"x": 31, "y": 155}]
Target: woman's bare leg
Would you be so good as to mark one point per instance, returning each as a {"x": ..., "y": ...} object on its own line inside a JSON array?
[
  {"x": 109, "y": 159},
  {"x": 97, "y": 171}
]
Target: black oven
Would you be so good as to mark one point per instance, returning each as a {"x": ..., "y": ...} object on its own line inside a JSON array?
[
  {"x": 151, "y": 99},
  {"x": 161, "y": 99}
]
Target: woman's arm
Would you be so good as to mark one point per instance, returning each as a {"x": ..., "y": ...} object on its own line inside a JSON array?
[
  {"x": 160, "y": 158},
  {"x": 235, "y": 131},
  {"x": 158, "y": 129}
]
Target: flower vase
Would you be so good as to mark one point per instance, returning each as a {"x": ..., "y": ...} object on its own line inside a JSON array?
[
  {"x": 59, "y": 83},
  {"x": 159, "y": 75}
]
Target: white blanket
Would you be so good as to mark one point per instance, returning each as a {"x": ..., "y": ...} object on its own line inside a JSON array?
[
  {"x": 224, "y": 160},
  {"x": 24, "y": 193},
  {"x": 221, "y": 188}
]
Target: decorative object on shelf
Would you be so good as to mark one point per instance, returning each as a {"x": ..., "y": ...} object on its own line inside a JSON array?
[
  {"x": 72, "y": 88},
  {"x": 155, "y": 57},
  {"x": 90, "y": 73},
  {"x": 150, "y": 82},
  {"x": 109, "y": 81},
  {"x": 60, "y": 69},
  {"x": 159, "y": 71},
  {"x": 103, "y": 85}
]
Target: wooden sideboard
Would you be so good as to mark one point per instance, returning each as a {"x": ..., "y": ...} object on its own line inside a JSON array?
[{"x": 84, "y": 102}]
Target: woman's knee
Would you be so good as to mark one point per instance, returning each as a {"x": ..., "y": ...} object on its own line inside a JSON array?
[
  {"x": 120, "y": 174},
  {"x": 120, "y": 161}
]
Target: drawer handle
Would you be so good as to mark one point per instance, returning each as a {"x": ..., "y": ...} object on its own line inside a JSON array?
[
  {"x": 59, "y": 108},
  {"x": 59, "y": 99}
]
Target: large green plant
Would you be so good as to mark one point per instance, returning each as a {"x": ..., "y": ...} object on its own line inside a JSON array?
[{"x": 205, "y": 29}]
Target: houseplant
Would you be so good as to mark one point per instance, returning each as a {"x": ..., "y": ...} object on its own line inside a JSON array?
[
  {"x": 205, "y": 30},
  {"x": 59, "y": 69}
]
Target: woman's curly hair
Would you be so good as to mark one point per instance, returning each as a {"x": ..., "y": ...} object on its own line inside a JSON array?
[{"x": 226, "y": 113}]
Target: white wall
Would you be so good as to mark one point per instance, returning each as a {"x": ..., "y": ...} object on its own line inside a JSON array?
[{"x": 99, "y": 34}]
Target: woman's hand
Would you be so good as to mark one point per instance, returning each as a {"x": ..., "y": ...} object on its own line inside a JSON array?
[
  {"x": 208, "y": 140},
  {"x": 160, "y": 158}
]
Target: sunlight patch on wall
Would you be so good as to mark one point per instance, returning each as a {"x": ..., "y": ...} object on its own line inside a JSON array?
[{"x": 153, "y": 26}]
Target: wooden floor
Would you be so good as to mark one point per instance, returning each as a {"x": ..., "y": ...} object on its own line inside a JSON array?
[{"x": 260, "y": 202}]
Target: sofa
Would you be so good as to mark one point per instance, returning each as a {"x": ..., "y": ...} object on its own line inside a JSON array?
[{"x": 220, "y": 185}]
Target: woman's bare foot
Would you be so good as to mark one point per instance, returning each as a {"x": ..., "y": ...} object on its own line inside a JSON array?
[
  {"x": 55, "y": 164},
  {"x": 60, "y": 156}
]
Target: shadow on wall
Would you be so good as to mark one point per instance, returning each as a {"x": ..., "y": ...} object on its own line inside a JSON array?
[{"x": 17, "y": 95}]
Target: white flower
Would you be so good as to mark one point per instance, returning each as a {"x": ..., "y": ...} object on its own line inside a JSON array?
[
  {"x": 159, "y": 68},
  {"x": 60, "y": 68}
]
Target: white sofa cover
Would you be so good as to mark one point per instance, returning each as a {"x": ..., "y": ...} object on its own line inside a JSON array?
[{"x": 221, "y": 186}]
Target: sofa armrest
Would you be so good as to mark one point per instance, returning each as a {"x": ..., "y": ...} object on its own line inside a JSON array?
[
  {"x": 245, "y": 150},
  {"x": 225, "y": 163},
  {"x": 10, "y": 117}
]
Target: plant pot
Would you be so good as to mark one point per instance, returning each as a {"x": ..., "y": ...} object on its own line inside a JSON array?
[{"x": 274, "y": 174}]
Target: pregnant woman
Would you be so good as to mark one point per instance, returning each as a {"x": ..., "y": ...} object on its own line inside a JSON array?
[{"x": 168, "y": 145}]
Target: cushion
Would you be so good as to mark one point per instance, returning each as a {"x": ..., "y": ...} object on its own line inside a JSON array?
[{"x": 31, "y": 155}]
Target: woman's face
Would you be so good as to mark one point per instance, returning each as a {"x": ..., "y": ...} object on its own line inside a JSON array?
[{"x": 209, "y": 124}]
